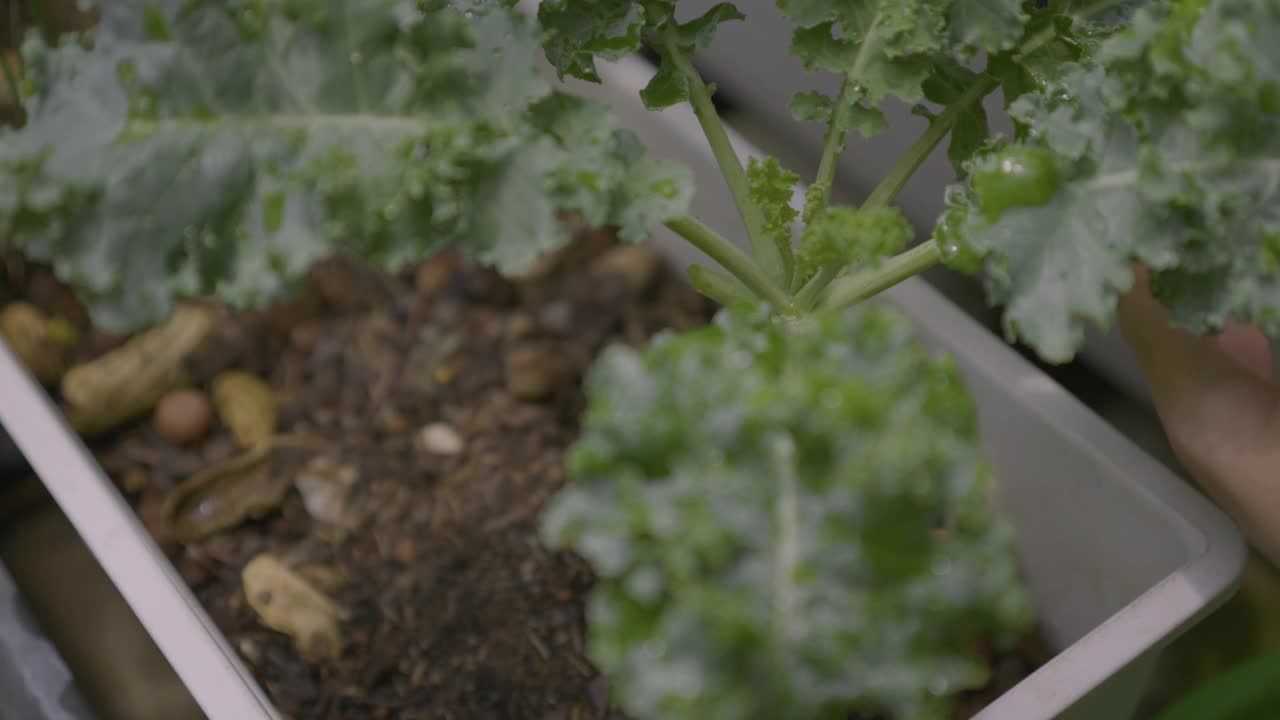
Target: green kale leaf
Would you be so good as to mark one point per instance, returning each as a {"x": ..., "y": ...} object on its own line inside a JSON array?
[
  {"x": 580, "y": 31},
  {"x": 992, "y": 25},
  {"x": 971, "y": 130},
  {"x": 815, "y": 107},
  {"x": 862, "y": 41},
  {"x": 771, "y": 189},
  {"x": 205, "y": 147},
  {"x": 1201, "y": 80},
  {"x": 843, "y": 236},
  {"x": 1164, "y": 146},
  {"x": 889, "y": 47},
  {"x": 787, "y": 519}
]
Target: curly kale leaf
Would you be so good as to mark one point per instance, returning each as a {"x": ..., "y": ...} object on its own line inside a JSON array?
[
  {"x": 992, "y": 25},
  {"x": 1059, "y": 218},
  {"x": 888, "y": 47},
  {"x": 1058, "y": 264},
  {"x": 1058, "y": 36},
  {"x": 787, "y": 519},
  {"x": 842, "y": 236},
  {"x": 670, "y": 85},
  {"x": 580, "y": 31},
  {"x": 771, "y": 189},
  {"x": 971, "y": 130},
  {"x": 815, "y": 107},
  {"x": 222, "y": 147},
  {"x": 860, "y": 40},
  {"x": 906, "y": 49},
  {"x": 1167, "y": 149},
  {"x": 1202, "y": 81}
]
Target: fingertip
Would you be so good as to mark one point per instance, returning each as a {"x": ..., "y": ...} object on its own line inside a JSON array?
[{"x": 1249, "y": 347}]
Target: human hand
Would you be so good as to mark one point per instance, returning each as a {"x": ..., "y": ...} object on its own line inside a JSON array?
[{"x": 1219, "y": 402}]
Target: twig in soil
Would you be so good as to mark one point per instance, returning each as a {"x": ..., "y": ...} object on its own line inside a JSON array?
[
  {"x": 327, "y": 706},
  {"x": 447, "y": 502},
  {"x": 575, "y": 634},
  {"x": 538, "y": 645},
  {"x": 381, "y": 392},
  {"x": 581, "y": 665},
  {"x": 518, "y": 513},
  {"x": 259, "y": 453}
]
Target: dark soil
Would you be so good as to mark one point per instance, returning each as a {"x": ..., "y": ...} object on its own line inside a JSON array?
[{"x": 455, "y": 611}]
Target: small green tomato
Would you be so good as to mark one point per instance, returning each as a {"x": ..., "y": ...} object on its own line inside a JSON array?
[{"x": 1015, "y": 177}]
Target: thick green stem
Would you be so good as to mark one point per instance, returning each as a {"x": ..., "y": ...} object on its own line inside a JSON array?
[
  {"x": 767, "y": 253},
  {"x": 738, "y": 263},
  {"x": 808, "y": 295},
  {"x": 832, "y": 146},
  {"x": 855, "y": 288},
  {"x": 724, "y": 289},
  {"x": 910, "y": 161},
  {"x": 838, "y": 131}
]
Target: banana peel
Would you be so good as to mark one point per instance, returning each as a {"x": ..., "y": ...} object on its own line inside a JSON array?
[{"x": 127, "y": 382}]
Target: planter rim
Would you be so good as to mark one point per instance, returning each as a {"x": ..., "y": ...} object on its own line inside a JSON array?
[
  {"x": 1215, "y": 549},
  {"x": 164, "y": 604}
]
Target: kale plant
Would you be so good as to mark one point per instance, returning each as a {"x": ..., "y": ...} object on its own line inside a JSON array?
[{"x": 786, "y": 510}]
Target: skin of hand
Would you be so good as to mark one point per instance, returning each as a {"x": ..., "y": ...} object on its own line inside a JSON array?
[{"x": 1219, "y": 403}]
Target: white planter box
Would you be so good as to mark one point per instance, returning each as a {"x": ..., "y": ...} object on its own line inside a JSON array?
[{"x": 1120, "y": 555}]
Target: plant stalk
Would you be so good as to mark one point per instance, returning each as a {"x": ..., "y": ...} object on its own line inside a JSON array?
[
  {"x": 906, "y": 166},
  {"x": 724, "y": 289},
  {"x": 888, "y": 189},
  {"x": 812, "y": 290},
  {"x": 738, "y": 263},
  {"x": 852, "y": 289},
  {"x": 832, "y": 145},
  {"x": 766, "y": 252}
]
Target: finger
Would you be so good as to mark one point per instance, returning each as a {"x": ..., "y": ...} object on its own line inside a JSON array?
[
  {"x": 1249, "y": 348},
  {"x": 1219, "y": 407},
  {"x": 1206, "y": 384}
]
